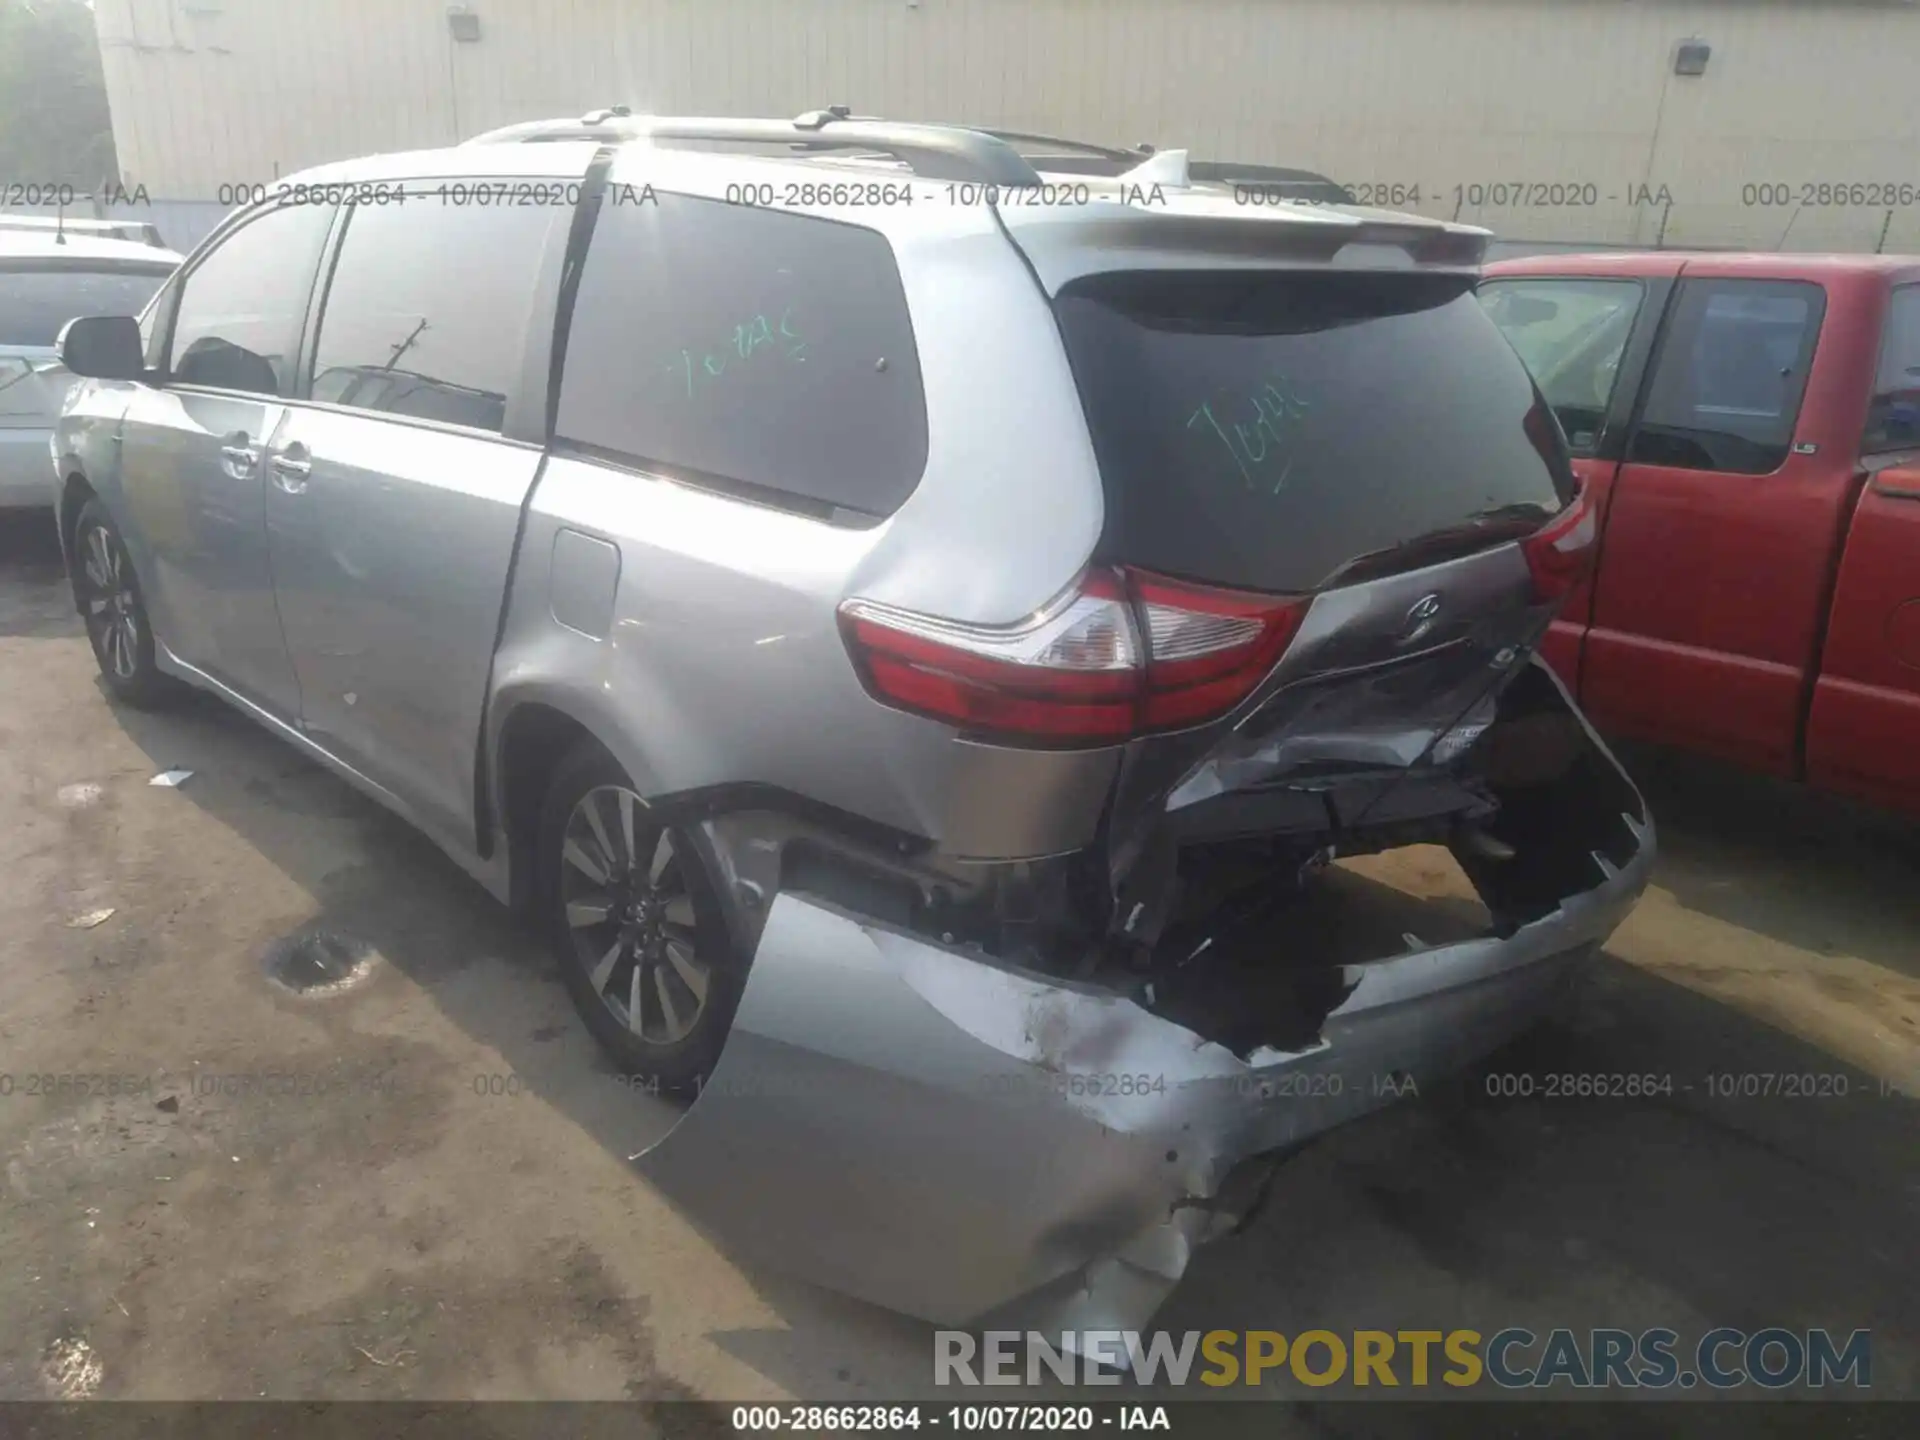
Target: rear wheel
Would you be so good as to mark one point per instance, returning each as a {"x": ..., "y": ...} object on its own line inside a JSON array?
[
  {"x": 114, "y": 610},
  {"x": 634, "y": 922}
]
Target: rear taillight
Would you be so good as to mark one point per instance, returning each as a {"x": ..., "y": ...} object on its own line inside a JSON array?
[
  {"x": 1070, "y": 673},
  {"x": 1207, "y": 648},
  {"x": 1121, "y": 654},
  {"x": 1560, "y": 553}
]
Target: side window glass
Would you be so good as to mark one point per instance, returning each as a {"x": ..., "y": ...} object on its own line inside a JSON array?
[
  {"x": 748, "y": 348},
  {"x": 1893, "y": 418},
  {"x": 20, "y": 392},
  {"x": 1731, "y": 371},
  {"x": 426, "y": 313},
  {"x": 238, "y": 320},
  {"x": 1570, "y": 334},
  {"x": 37, "y": 301}
]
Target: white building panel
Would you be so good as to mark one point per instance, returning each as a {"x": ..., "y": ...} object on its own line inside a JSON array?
[{"x": 1542, "y": 119}]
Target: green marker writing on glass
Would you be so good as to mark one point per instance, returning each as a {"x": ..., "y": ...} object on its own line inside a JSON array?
[
  {"x": 1255, "y": 442},
  {"x": 749, "y": 337}
]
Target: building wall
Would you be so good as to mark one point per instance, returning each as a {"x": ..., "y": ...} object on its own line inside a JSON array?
[{"x": 1474, "y": 94}]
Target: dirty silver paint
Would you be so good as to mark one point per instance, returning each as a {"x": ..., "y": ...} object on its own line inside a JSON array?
[{"x": 931, "y": 1131}]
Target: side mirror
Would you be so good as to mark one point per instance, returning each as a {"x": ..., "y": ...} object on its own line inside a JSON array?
[{"x": 103, "y": 347}]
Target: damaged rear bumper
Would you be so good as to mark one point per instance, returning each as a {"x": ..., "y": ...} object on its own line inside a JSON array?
[{"x": 926, "y": 1129}]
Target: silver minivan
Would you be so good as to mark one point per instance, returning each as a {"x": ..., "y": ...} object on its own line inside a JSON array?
[
  {"x": 914, "y": 629},
  {"x": 49, "y": 273}
]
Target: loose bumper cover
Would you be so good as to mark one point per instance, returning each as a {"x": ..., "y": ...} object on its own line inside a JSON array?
[{"x": 930, "y": 1130}]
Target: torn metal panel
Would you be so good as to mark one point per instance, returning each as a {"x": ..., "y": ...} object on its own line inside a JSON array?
[
  {"x": 925, "y": 1129},
  {"x": 1382, "y": 675}
]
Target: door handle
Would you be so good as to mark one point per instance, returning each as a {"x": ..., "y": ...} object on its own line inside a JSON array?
[
  {"x": 291, "y": 467},
  {"x": 239, "y": 457}
]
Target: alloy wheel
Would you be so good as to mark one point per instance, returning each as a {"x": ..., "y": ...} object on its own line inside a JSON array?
[
  {"x": 112, "y": 609},
  {"x": 624, "y": 883}
]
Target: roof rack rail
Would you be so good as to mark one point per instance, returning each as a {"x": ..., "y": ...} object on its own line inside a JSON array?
[
  {"x": 1056, "y": 143},
  {"x": 934, "y": 152}
]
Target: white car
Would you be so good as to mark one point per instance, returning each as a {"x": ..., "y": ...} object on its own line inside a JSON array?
[{"x": 48, "y": 275}]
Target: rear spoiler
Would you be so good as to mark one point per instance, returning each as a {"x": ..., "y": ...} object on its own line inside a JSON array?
[
  {"x": 1273, "y": 181},
  {"x": 1212, "y": 229}
]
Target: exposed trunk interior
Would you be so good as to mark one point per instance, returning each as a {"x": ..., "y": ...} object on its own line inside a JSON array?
[
  {"x": 1261, "y": 946},
  {"x": 1268, "y": 928},
  {"x": 1266, "y": 931}
]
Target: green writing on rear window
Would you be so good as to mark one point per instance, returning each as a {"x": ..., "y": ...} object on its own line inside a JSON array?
[{"x": 1255, "y": 430}]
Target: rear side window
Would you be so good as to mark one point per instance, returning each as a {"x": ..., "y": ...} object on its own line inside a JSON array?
[
  {"x": 1893, "y": 418},
  {"x": 36, "y": 301},
  {"x": 749, "y": 349},
  {"x": 1270, "y": 430},
  {"x": 1571, "y": 334},
  {"x": 237, "y": 322},
  {"x": 426, "y": 313},
  {"x": 1727, "y": 385}
]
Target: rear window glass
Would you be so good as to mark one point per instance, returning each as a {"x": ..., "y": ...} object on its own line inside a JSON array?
[
  {"x": 1727, "y": 385},
  {"x": 1893, "y": 419},
  {"x": 35, "y": 303},
  {"x": 749, "y": 349},
  {"x": 1268, "y": 430}
]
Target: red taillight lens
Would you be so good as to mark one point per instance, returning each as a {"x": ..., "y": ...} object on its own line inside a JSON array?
[
  {"x": 1117, "y": 656},
  {"x": 1070, "y": 673},
  {"x": 1207, "y": 648},
  {"x": 1560, "y": 553}
]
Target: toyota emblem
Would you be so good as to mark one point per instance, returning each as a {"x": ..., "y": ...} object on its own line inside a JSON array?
[{"x": 1421, "y": 618}]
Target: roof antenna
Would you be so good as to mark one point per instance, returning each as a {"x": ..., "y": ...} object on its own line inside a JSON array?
[{"x": 1162, "y": 167}]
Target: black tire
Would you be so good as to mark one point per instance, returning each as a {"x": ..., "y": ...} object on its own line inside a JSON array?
[
  {"x": 115, "y": 611},
  {"x": 662, "y": 925}
]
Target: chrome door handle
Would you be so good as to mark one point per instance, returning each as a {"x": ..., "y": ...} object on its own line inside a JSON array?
[
  {"x": 239, "y": 457},
  {"x": 290, "y": 472}
]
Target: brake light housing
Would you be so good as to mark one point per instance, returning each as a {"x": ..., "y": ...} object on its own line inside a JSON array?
[
  {"x": 1121, "y": 653},
  {"x": 1560, "y": 554}
]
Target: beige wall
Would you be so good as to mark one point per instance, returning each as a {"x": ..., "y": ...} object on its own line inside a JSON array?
[{"x": 1435, "y": 92}]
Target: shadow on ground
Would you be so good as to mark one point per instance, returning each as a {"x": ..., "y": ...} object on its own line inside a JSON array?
[
  {"x": 36, "y": 603},
  {"x": 1496, "y": 1202},
  {"x": 1810, "y": 870}
]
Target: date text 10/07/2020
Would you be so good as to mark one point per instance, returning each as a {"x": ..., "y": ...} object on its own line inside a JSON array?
[
  {"x": 872, "y": 194},
  {"x": 1468, "y": 195},
  {"x": 960, "y": 1418},
  {"x": 459, "y": 194}
]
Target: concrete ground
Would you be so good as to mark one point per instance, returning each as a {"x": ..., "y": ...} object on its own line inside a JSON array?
[{"x": 412, "y": 1233}]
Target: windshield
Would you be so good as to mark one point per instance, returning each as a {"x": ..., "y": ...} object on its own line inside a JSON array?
[
  {"x": 36, "y": 301},
  {"x": 1267, "y": 430}
]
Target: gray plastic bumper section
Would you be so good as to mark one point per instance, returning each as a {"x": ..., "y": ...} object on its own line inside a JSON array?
[{"x": 922, "y": 1128}]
